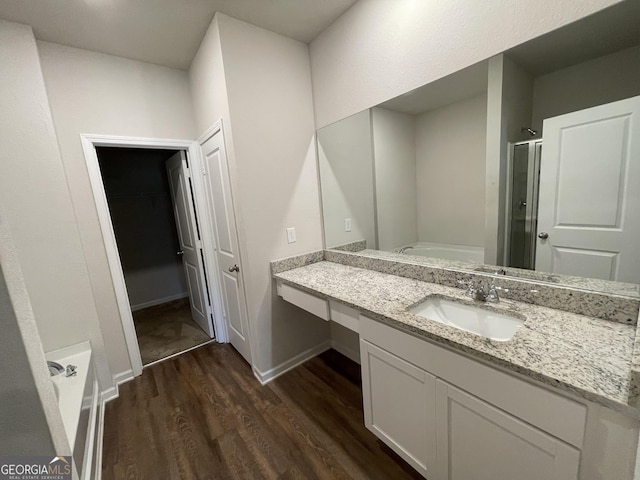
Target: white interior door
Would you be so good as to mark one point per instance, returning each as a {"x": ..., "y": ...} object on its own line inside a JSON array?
[
  {"x": 189, "y": 237},
  {"x": 589, "y": 210},
  {"x": 220, "y": 201}
]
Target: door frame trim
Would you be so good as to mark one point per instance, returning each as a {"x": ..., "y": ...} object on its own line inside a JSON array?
[{"x": 89, "y": 144}]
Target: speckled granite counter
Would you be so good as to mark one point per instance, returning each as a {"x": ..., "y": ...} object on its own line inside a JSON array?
[
  {"x": 591, "y": 303},
  {"x": 589, "y": 357},
  {"x": 630, "y": 290}
]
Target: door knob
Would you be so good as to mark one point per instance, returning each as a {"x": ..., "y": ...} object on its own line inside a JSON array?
[
  {"x": 543, "y": 235},
  {"x": 181, "y": 252},
  {"x": 235, "y": 268}
]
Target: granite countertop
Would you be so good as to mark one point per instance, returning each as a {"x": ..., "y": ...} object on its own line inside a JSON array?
[{"x": 590, "y": 357}]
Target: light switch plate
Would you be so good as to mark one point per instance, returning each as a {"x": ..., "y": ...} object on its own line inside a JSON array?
[
  {"x": 291, "y": 234},
  {"x": 347, "y": 224}
]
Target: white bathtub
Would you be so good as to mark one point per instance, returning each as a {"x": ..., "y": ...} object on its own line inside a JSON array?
[{"x": 460, "y": 253}]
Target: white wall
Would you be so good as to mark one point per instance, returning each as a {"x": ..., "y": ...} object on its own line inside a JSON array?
[
  {"x": 143, "y": 220},
  {"x": 450, "y": 172},
  {"x": 38, "y": 207},
  {"x": 30, "y": 417},
  {"x": 24, "y": 425},
  {"x": 101, "y": 94},
  {"x": 209, "y": 86},
  {"x": 345, "y": 159},
  {"x": 517, "y": 100},
  {"x": 382, "y": 48},
  {"x": 602, "y": 80},
  {"x": 269, "y": 134},
  {"x": 394, "y": 140}
]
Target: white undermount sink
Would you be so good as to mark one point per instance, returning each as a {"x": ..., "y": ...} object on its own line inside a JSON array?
[{"x": 469, "y": 317}]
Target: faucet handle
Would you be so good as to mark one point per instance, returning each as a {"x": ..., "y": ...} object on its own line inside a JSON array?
[
  {"x": 470, "y": 287},
  {"x": 71, "y": 371},
  {"x": 492, "y": 294}
]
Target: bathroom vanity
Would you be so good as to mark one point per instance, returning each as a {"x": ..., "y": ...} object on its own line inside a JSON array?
[
  {"x": 556, "y": 401},
  {"x": 512, "y": 162}
]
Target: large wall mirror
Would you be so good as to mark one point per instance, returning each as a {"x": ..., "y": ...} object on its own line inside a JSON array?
[{"x": 529, "y": 160}]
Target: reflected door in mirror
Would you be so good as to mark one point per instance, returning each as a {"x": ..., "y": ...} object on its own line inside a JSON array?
[{"x": 589, "y": 219}]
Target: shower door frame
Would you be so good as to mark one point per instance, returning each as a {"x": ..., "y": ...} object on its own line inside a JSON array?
[{"x": 533, "y": 176}]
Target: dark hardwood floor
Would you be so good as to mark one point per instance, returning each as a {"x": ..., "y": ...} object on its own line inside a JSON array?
[{"x": 204, "y": 415}]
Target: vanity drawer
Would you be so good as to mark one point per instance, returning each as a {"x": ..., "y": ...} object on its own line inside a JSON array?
[
  {"x": 312, "y": 304},
  {"x": 346, "y": 316},
  {"x": 548, "y": 411}
]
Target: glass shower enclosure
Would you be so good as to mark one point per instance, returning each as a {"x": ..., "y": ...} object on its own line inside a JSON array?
[{"x": 522, "y": 203}]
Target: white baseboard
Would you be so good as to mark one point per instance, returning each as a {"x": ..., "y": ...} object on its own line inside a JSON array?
[
  {"x": 118, "y": 379},
  {"x": 346, "y": 351},
  {"x": 158, "y": 301},
  {"x": 266, "y": 377},
  {"x": 97, "y": 469},
  {"x": 109, "y": 394}
]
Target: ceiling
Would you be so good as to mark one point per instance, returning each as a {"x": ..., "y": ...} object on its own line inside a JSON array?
[
  {"x": 607, "y": 31},
  {"x": 465, "y": 83},
  {"x": 164, "y": 32},
  {"x": 602, "y": 33}
]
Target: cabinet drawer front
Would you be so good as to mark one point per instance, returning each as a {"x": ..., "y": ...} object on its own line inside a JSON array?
[
  {"x": 346, "y": 316},
  {"x": 482, "y": 442},
  {"x": 399, "y": 406},
  {"x": 312, "y": 304},
  {"x": 551, "y": 412}
]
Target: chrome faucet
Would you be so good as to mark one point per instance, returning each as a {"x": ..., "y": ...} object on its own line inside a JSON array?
[
  {"x": 404, "y": 249},
  {"x": 54, "y": 368},
  {"x": 479, "y": 293}
]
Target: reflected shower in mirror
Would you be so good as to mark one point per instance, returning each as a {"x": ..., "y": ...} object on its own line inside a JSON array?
[
  {"x": 453, "y": 169},
  {"x": 522, "y": 203}
]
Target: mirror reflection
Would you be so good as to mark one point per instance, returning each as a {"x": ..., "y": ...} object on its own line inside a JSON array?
[{"x": 530, "y": 159}]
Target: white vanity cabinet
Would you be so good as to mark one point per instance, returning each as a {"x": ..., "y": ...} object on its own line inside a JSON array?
[
  {"x": 479, "y": 441},
  {"x": 453, "y": 418},
  {"x": 312, "y": 304},
  {"x": 337, "y": 312},
  {"x": 399, "y": 406}
]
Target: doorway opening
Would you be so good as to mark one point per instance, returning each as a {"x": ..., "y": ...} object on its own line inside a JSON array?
[{"x": 154, "y": 219}]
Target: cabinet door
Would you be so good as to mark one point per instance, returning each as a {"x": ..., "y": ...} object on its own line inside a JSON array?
[
  {"x": 399, "y": 406},
  {"x": 477, "y": 440}
]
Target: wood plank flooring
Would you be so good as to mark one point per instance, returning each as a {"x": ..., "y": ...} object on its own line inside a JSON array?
[{"x": 203, "y": 415}]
